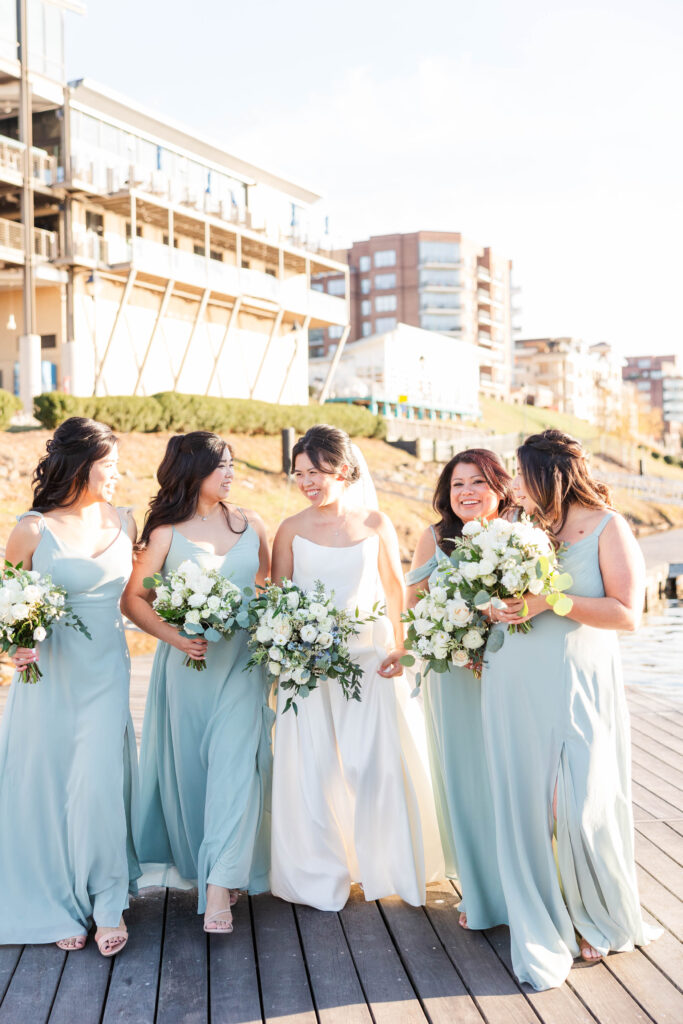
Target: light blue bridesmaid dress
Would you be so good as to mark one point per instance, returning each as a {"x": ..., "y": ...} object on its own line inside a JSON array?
[
  {"x": 68, "y": 763},
  {"x": 464, "y": 806},
  {"x": 205, "y": 760},
  {"x": 554, "y": 710}
]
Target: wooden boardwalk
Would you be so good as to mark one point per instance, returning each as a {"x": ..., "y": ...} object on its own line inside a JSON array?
[{"x": 381, "y": 962}]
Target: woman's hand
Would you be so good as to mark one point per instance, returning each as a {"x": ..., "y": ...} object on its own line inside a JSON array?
[
  {"x": 193, "y": 646},
  {"x": 514, "y": 606},
  {"x": 23, "y": 657},
  {"x": 391, "y": 666}
]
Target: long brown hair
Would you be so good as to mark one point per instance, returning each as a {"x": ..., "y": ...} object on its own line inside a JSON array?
[
  {"x": 329, "y": 449},
  {"x": 61, "y": 476},
  {"x": 496, "y": 476},
  {"x": 556, "y": 475},
  {"x": 188, "y": 460}
]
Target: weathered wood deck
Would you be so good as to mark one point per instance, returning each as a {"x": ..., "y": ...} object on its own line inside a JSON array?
[{"x": 384, "y": 962}]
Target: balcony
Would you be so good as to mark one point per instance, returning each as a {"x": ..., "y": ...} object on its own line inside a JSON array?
[
  {"x": 483, "y": 273},
  {"x": 12, "y": 242},
  {"x": 43, "y": 166}
]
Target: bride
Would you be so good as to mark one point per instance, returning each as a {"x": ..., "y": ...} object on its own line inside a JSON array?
[{"x": 352, "y": 800}]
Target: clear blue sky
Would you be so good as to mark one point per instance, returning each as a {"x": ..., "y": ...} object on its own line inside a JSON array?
[{"x": 551, "y": 130}]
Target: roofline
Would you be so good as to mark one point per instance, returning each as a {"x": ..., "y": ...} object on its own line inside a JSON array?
[{"x": 108, "y": 101}]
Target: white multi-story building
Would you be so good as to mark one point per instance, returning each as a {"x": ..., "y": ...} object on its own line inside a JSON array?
[{"x": 161, "y": 260}]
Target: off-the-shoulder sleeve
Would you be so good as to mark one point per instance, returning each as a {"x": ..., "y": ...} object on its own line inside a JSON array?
[{"x": 422, "y": 572}]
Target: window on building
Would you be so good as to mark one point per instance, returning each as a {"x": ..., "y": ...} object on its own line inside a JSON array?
[
  {"x": 48, "y": 341},
  {"x": 366, "y": 307},
  {"x": 217, "y": 254},
  {"x": 643, "y": 385},
  {"x": 366, "y": 328},
  {"x": 385, "y": 281},
  {"x": 365, "y": 285},
  {"x": 440, "y": 278},
  {"x": 316, "y": 336},
  {"x": 364, "y": 264},
  {"x": 438, "y": 322},
  {"x": 199, "y": 250},
  {"x": 385, "y": 258},
  {"x": 175, "y": 240},
  {"x": 385, "y": 303},
  {"x": 129, "y": 231},
  {"x": 245, "y": 264},
  {"x": 335, "y": 332},
  {"x": 385, "y": 323},
  {"x": 642, "y": 363},
  {"x": 336, "y": 286},
  {"x": 439, "y": 252},
  {"x": 439, "y": 300},
  {"x": 94, "y": 222},
  {"x": 271, "y": 271}
]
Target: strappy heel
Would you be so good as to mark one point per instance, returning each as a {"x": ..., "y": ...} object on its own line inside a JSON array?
[
  {"x": 112, "y": 936},
  {"x": 219, "y": 930}
]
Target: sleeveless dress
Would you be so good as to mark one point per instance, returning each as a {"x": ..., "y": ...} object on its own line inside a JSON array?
[
  {"x": 464, "y": 806},
  {"x": 554, "y": 710},
  {"x": 205, "y": 760},
  {"x": 68, "y": 762},
  {"x": 351, "y": 794}
]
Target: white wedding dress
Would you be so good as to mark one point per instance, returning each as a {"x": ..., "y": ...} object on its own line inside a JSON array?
[{"x": 352, "y": 798}]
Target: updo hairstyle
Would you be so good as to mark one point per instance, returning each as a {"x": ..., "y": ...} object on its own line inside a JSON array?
[
  {"x": 329, "y": 449},
  {"x": 61, "y": 476}
]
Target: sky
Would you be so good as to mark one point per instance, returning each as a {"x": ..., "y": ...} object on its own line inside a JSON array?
[{"x": 550, "y": 130}]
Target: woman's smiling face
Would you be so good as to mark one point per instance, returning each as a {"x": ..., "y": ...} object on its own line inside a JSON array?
[{"x": 472, "y": 496}]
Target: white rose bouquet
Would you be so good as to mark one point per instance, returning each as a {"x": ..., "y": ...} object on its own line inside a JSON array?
[
  {"x": 30, "y": 604},
  {"x": 443, "y": 629},
  {"x": 302, "y": 638},
  {"x": 198, "y": 602},
  {"x": 499, "y": 559}
]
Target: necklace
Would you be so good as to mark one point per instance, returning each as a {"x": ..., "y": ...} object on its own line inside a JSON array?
[{"x": 204, "y": 518}]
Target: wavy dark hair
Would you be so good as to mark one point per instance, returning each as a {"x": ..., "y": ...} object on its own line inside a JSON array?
[
  {"x": 328, "y": 448},
  {"x": 61, "y": 476},
  {"x": 188, "y": 460},
  {"x": 556, "y": 475},
  {"x": 496, "y": 476}
]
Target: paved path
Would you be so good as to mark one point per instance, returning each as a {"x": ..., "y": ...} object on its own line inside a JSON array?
[{"x": 666, "y": 546}]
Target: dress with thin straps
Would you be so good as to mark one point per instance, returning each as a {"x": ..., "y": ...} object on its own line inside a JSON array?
[
  {"x": 68, "y": 763},
  {"x": 554, "y": 710},
  {"x": 464, "y": 807},
  {"x": 205, "y": 759}
]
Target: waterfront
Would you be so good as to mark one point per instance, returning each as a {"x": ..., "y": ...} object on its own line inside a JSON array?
[{"x": 652, "y": 655}]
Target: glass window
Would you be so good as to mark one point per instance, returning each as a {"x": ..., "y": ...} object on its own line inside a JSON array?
[
  {"x": 439, "y": 300},
  {"x": 442, "y": 278},
  {"x": 366, "y": 328},
  {"x": 366, "y": 307},
  {"x": 364, "y": 264},
  {"x": 438, "y": 322},
  {"x": 365, "y": 285},
  {"x": 335, "y": 332},
  {"x": 385, "y": 303},
  {"x": 385, "y": 323},
  {"x": 385, "y": 281},
  {"x": 439, "y": 252},
  {"x": 8, "y": 29},
  {"x": 336, "y": 286},
  {"x": 643, "y": 385},
  {"x": 643, "y": 362},
  {"x": 385, "y": 258}
]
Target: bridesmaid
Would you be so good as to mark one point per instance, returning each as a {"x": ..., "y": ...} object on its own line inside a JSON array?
[
  {"x": 473, "y": 485},
  {"x": 68, "y": 765},
  {"x": 205, "y": 756},
  {"x": 557, "y": 731}
]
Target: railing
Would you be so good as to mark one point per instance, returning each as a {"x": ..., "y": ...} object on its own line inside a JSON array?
[
  {"x": 43, "y": 166},
  {"x": 12, "y": 237},
  {"x": 45, "y": 243}
]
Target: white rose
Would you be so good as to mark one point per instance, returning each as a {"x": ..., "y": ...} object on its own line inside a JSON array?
[
  {"x": 176, "y": 599},
  {"x": 300, "y": 674},
  {"x": 489, "y": 580},
  {"x": 326, "y": 624},
  {"x": 275, "y": 654},
  {"x": 193, "y": 617},
  {"x": 19, "y": 611},
  {"x": 196, "y": 600},
  {"x": 511, "y": 580},
  {"x": 439, "y": 594},
  {"x": 486, "y": 567},
  {"x": 308, "y": 633},
  {"x": 274, "y": 668},
  {"x": 536, "y": 586},
  {"x": 317, "y": 610},
  {"x": 264, "y": 634},
  {"x": 458, "y": 612},
  {"x": 39, "y": 633},
  {"x": 282, "y": 630},
  {"x": 293, "y": 599},
  {"x": 422, "y": 626},
  {"x": 472, "y": 639},
  {"x": 213, "y": 602},
  {"x": 472, "y": 528},
  {"x": 422, "y": 606},
  {"x": 460, "y": 658},
  {"x": 325, "y": 640},
  {"x": 469, "y": 570},
  {"x": 32, "y": 593}
]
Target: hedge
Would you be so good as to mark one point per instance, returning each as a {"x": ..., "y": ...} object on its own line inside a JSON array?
[
  {"x": 171, "y": 411},
  {"x": 9, "y": 404}
]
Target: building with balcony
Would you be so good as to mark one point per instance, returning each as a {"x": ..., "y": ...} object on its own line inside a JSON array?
[
  {"x": 161, "y": 260},
  {"x": 438, "y": 281},
  {"x": 584, "y": 380},
  {"x": 658, "y": 381}
]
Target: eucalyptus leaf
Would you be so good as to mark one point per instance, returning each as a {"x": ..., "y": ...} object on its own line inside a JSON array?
[
  {"x": 212, "y": 635},
  {"x": 495, "y": 641},
  {"x": 563, "y": 581},
  {"x": 407, "y": 660},
  {"x": 563, "y": 605},
  {"x": 482, "y": 599}
]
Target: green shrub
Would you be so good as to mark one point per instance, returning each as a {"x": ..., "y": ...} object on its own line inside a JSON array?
[
  {"x": 170, "y": 410},
  {"x": 656, "y": 455},
  {"x": 9, "y": 404}
]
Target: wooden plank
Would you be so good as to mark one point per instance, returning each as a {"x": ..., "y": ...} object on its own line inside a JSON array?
[
  {"x": 82, "y": 988},
  {"x": 384, "y": 979},
  {"x": 664, "y": 763},
  {"x": 496, "y": 995},
  {"x": 651, "y": 727},
  {"x": 651, "y": 990},
  {"x": 663, "y": 906},
  {"x": 233, "y": 976},
  {"x": 645, "y": 799},
  {"x": 665, "y": 838},
  {"x": 554, "y": 1005},
  {"x": 666, "y": 953},
  {"x": 440, "y": 988},
  {"x": 666, "y": 726},
  {"x": 337, "y": 992},
  {"x": 30, "y": 993},
  {"x": 659, "y": 864},
  {"x": 183, "y": 985},
  {"x": 653, "y": 745},
  {"x": 9, "y": 958},
  {"x": 602, "y": 994},
  {"x": 657, "y": 784},
  {"x": 136, "y": 968},
  {"x": 282, "y": 971}
]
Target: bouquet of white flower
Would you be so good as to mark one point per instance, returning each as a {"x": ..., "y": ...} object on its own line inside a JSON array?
[
  {"x": 29, "y": 606},
  {"x": 498, "y": 559},
  {"x": 198, "y": 602},
  {"x": 301, "y": 638},
  {"x": 443, "y": 629}
]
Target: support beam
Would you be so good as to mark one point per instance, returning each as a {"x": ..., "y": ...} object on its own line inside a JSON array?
[
  {"x": 201, "y": 310},
  {"x": 333, "y": 366},
  {"x": 128, "y": 288},
  {"x": 26, "y": 361},
  {"x": 273, "y": 331},
  {"x": 297, "y": 337},
  {"x": 161, "y": 313},
  {"x": 232, "y": 319}
]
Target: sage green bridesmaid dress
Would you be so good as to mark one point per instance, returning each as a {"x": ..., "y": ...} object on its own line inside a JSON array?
[
  {"x": 464, "y": 806},
  {"x": 205, "y": 759},
  {"x": 554, "y": 710},
  {"x": 68, "y": 762}
]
